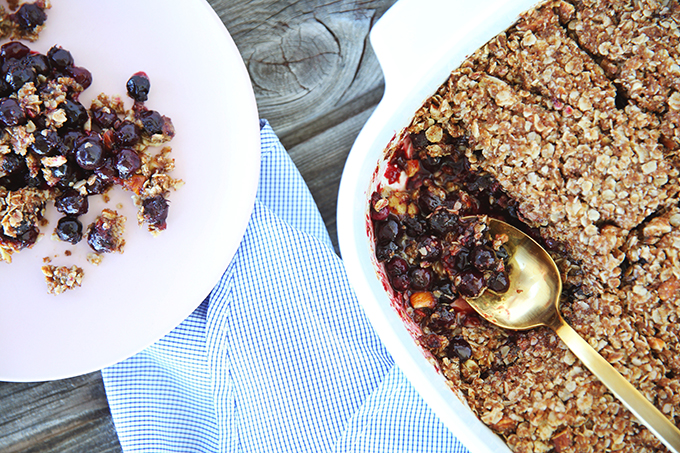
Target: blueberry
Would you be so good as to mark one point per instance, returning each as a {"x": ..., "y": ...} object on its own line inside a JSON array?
[
  {"x": 421, "y": 278},
  {"x": 69, "y": 229},
  {"x": 81, "y": 75},
  {"x": 29, "y": 16},
  {"x": 71, "y": 202},
  {"x": 76, "y": 114},
  {"x": 155, "y": 210},
  {"x": 45, "y": 143},
  {"x": 11, "y": 113},
  {"x": 127, "y": 134},
  {"x": 89, "y": 153},
  {"x": 38, "y": 62},
  {"x": 483, "y": 257},
  {"x": 471, "y": 283},
  {"x": 127, "y": 163},
  {"x": 18, "y": 74},
  {"x": 59, "y": 58},
  {"x": 13, "y": 50},
  {"x": 387, "y": 232},
  {"x": 152, "y": 122},
  {"x": 138, "y": 87}
]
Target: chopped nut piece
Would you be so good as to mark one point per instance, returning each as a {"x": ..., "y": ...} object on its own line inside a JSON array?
[{"x": 422, "y": 299}]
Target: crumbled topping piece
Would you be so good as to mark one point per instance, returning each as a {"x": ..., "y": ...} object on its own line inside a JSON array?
[
  {"x": 106, "y": 233},
  {"x": 62, "y": 278}
]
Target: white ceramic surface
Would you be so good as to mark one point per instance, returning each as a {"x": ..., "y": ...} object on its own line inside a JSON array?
[
  {"x": 418, "y": 43},
  {"x": 199, "y": 80}
]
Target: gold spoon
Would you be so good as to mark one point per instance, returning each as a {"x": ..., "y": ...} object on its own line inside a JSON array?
[{"x": 532, "y": 300}]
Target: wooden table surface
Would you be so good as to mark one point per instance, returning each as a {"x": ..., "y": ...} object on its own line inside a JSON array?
[{"x": 317, "y": 81}]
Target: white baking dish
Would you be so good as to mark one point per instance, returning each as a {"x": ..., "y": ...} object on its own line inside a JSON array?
[{"x": 418, "y": 43}]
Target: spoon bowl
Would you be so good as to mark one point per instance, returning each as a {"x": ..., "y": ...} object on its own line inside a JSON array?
[
  {"x": 535, "y": 284},
  {"x": 532, "y": 300}
]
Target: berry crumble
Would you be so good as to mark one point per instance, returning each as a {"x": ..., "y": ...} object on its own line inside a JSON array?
[
  {"x": 566, "y": 125},
  {"x": 55, "y": 149}
]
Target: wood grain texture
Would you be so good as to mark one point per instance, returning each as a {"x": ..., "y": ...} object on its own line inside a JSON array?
[{"x": 316, "y": 81}]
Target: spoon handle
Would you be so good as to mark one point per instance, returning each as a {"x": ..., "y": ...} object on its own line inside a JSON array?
[{"x": 645, "y": 411}]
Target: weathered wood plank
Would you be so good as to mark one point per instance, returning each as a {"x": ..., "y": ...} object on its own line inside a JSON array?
[
  {"x": 69, "y": 416},
  {"x": 316, "y": 80}
]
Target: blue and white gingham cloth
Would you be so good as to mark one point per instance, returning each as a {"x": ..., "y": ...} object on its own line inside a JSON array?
[{"x": 279, "y": 357}]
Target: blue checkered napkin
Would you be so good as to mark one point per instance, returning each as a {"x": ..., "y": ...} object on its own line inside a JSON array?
[{"x": 279, "y": 357}]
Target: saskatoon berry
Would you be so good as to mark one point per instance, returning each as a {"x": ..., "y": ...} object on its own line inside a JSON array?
[
  {"x": 38, "y": 62},
  {"x": 81, "y": 75},
  {"x": 429, "y": 249},
  {"x": 421, "y": 278},
  {"x": 443, "y": 221},
  {"x": 19, "y": 74},
  {"x": 498, "y": 282},
  {"x": 89, "y": 153},
  {"x": 69, "y": 229},
  {"x": 13, "y": 50},
  {"x": 68, "y": 142},
  {"x": 104, "y": 118},
  {"x": 155, "y": 210},
  {"x": 396, "y": 266},
  {"x": 62, "y": 171},
  {"x": 60, "y": 59},
  {"x": 388, "y": 231},
  {"x": 152, "y": 122},
  {"x": 5, "y": 89},
  {"x": 45, "y": 143},
  {"x": 401, "y": 282},
  {"x": 428, "y": 201},
  {"x": 107, "y": 171},
  {"x": 460, "y": 348},
  {"x": 138, "y": 87},
  {"x": 443, "y": 319},
  {"x": 100, "y": 239},
  {"x": 380, "y": 214},
  {"x": 28, "y": 236},
  {"x": 76, "y": 114},
  {"x": 483, "y": 257},
  {"x": 414, "y": 226},
  {"x": 385, "y": 251},
  {"x": 98, "y": 185},
  {"x": 471, "y": 283},
  {"x": 11, "y": 113},
  {"x": 29, "y": 16},
  {"x": 127, "y": 163},
  {"x": 12, "y": 163},
  {"x": 127, "y": 134},
  {"x": 71, "y": 202}
]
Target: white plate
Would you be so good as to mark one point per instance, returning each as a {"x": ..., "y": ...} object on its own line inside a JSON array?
[
  {"x": 416, "y": 57},
  {"x": 131, "y": 300}
]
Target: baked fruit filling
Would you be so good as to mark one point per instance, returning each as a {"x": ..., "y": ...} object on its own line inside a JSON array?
[{"x": 567, "y": 125}]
